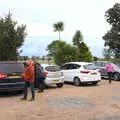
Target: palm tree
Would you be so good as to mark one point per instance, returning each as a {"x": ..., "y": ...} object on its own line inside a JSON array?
[{"x": 59, "y": 27}]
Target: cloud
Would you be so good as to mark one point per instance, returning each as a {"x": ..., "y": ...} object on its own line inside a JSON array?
[{"x": 39, "y": 16}]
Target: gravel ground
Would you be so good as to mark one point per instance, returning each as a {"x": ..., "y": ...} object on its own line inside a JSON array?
[{"x": 100, "y": 102}]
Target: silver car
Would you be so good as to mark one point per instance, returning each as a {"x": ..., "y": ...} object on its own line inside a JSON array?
[
  {"x": 54, "y": 76},
  {"x": 100, "y": 66}
]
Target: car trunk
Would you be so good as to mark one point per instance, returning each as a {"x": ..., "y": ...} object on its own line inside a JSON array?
[{"x": 10, "y": 74}]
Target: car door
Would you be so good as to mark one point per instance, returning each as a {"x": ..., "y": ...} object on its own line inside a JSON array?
[
  {"x": 74, "y": 71},
  {"x": 70, "y": 72},
  {"x": 65, "y": 70}
]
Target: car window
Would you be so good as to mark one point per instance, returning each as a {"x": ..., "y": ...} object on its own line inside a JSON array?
[
  {"x": 11, "y": 68},
  {"x": 98, "y": 64},
  {"x": 76, "y": 66},
  {"x": 89, "y": 67},
  {"x": 70, "y": 66},
  {"x": 52, "y": 68},
  {"x": 65, "y": 67}
]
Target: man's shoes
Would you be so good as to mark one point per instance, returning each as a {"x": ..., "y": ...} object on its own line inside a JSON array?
[
  {"x": 23, "y": 98},
  {"x": 40, "y": 91}
]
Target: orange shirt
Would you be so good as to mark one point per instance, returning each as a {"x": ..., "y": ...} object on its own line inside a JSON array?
[{"x": 29, "y": 73}]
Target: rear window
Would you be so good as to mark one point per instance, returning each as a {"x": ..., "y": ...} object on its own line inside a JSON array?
[
  {"x": 11, "y": 68},
  {"x": 100, "y": 64},
  {"x": 52, "y": 68},
  {"x": 89, "y": 67}
]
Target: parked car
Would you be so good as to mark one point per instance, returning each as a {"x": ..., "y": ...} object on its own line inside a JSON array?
[
  {"x": 54, "y": 76},
  {"x": 100, "y": 66},
  {"x": 11, "y": 76},
  {"x": 80, "y": 72}
]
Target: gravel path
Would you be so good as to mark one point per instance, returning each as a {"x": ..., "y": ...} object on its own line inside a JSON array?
[{"x": 101, "y": 102}]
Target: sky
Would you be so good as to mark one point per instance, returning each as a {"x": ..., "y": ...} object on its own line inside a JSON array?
[{"x": 40, "y": 15}]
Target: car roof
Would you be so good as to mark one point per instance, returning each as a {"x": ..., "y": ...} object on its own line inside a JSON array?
[
  {"x": 102, "y": 61},
  {"x": 79, "y": 63},
  {"x": 45, "y": 65},
  {"x": 10, "y": 62}
]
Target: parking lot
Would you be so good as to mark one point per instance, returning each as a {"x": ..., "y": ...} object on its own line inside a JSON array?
[{"x": 100, "y": 102}]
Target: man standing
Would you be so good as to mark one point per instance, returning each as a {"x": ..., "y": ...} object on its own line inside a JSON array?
[
  {"x": 29, "y": 78},
  {"x": 39, "y": 77},
  {"x": 109, "y": 69}
]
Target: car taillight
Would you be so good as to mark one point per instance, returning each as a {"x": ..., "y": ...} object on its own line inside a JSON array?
[
  {"x": 3, "y": 76},
  {"x": 85, "y": 72},
  {"x": 45, "y": 74}
]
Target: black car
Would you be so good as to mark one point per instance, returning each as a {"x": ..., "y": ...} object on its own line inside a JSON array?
[
  {"x": 11, "y": 76},
  {"x": 100, "y": 65}
]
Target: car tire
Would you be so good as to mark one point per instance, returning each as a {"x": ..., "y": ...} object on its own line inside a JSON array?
[
  {"x": 94, "y": 83},
  {"x": 116, "y": 76},
  {"x": 76, "y": 81},
  {"x": 59, "y": 85}
]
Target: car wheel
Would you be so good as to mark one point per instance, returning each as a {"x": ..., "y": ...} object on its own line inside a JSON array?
[
  {"x": 116, "y": 76},
  {"x": 94, "y": 83},
  {"x": 59, "y": 85},
  {"x": 76, "y": 81}
]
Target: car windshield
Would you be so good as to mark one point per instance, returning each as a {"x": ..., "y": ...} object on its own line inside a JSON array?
[
  {"x": 89, "y": 67},
  {"x": 11, "y": 68},
  {"x": 52, "y": 68}
]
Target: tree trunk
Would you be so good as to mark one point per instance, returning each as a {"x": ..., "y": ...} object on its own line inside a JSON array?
[{"x": 59, "y": 35}]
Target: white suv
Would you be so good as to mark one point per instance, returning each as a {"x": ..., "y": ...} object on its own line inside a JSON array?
[{"x": 80, "y": 72}]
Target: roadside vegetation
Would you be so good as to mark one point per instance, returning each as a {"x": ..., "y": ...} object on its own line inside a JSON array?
[{"x": 12, "y": 37}]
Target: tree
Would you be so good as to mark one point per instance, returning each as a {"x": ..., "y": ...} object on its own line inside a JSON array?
[
  {"x": 11, "y": 38},
  {"x": 95, "y": 58},
  {"x": 83, "y": 53},
  {"x": 77, "y": 38},
  {"x": 112, "y": 37},
  {"x": 61, "y": 51},
  {"x": 58, "y": 27},
  {"x": 107, "y": 53}
]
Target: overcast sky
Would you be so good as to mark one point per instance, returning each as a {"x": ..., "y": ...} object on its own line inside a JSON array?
[{"x": 39, "y": 16}]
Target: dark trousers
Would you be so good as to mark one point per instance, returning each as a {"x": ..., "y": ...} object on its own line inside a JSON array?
[
  {"x": 27, "y": 84},
  {"x": 110, "y": 76},
  {"x": 41, "y": 84}
]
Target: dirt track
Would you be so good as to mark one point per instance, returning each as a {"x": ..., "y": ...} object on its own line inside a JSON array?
[{"x": 101, "y": 102}]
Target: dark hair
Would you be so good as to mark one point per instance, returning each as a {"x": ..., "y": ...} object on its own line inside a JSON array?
[{"x": 25, "y": 64}]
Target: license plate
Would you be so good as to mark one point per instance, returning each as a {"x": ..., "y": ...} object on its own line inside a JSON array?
[
  {"x": 93, "y": 73},
  {"x": 55, "y": 81},
  {"x": 14, "y": 77}
]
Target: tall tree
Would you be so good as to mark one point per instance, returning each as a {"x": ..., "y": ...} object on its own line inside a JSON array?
[
  {"x": 77, "y": 38},
  {"x": 83, "y": 52},
  {"x": 61, "y": 51},
  {"x": 58, "y": 27},
  {"x": 107, "y": 53},
  {"x": 112, "y": 37},
  {"x": 11, "y": 38}
]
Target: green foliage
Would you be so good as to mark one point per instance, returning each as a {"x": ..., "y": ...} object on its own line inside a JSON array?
[
  {"x": 11, "y": 38},
  {"x": 77, "y": 38},
  {"x": 83, "y": 53},
  {"x": 61, "y": 51},
  {"x": 95, "y": 58},
  {"x": 58, "y": 27},
  {"x": 107, "y": 53},
  {"x": 112, "y": 37}
]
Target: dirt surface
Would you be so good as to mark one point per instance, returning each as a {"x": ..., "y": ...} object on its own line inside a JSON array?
[{"x": 100, "y": 102}]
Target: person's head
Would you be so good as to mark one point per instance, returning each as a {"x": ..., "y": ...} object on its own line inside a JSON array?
[{"x": 27, "y": 63}]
